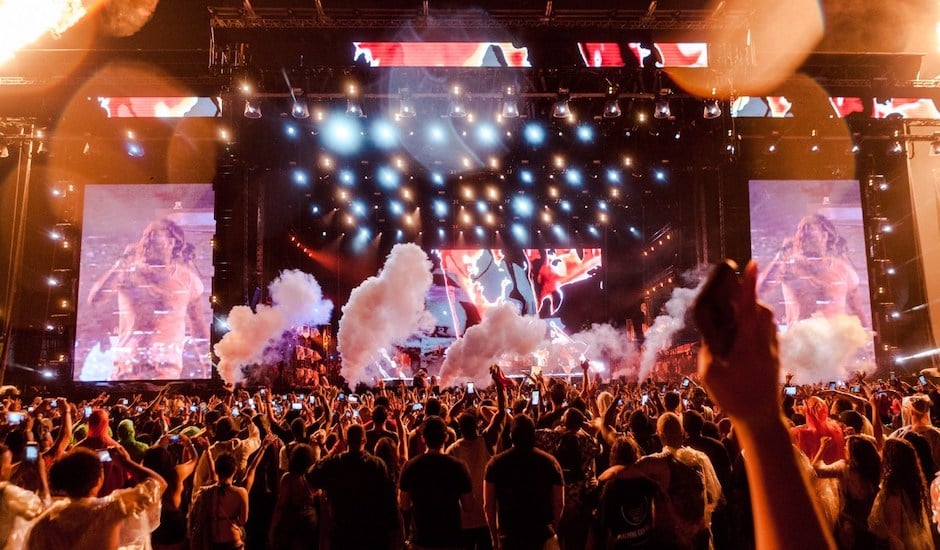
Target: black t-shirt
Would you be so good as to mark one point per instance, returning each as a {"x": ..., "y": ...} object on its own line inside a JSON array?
[
  {"x": 373, "y": 436},
  {"x": 435, "y": 483},
  {"x": 626, "y": 513},
  {"x": 361, "y": 496},
  {"x": 524, "y": 481}
]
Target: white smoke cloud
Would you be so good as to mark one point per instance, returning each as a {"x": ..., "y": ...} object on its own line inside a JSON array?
[
  {"x": 502, "y": 331},
  {"x": 297, "y": 299},
  {"x": 385, "y": 310},
  {"x": 609, "y": 345},
  {"x": 659, "y": 335},
  {"x": 822, "y": 348}
]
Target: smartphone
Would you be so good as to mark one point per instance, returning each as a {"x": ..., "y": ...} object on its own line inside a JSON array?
[
  {"x": 140, "y": 409},
  {"x": 353, "y": 398},
  {"x": 856, "y": 389},
  {"x": 470, "y": 387},
  {"x": 32, "y": 452},
  {"x": 30, "y": 409},
  {"x": 203, "y": 407},
  {"x": 193, "y": 408},
  {"x": 713, "y": 310},
  {"x": 341, "y": 397},
  {"x": 124, "y": 401},
  {"x": 417, "y": 407},
  {"x": 174, "y": 439},
  {"x": 790, "y": 390},
  {"x": 922, "y": 379},
  {"x": 685, "y": 382},
  {"x": 312, "y": 399},
  {"x": 261, "y": 392},
  {"x": 87, "y": 411},
  {"x": 644, "y": 399},
  {"x": 251, "y": 402},
  {"x": 296, "y": 406},
  {"x": 535, "y": 397},
  {"x": 620, "y": 402},
  {"x": 235, "y": 412},
  {"x": 355, "y": 413},
  {"x": 685, "y": 403},
  {"x": 14, "y": 418},
  {"x": 832, "y": 385},
  {"x": 53, "y": 403},
  {"x": 892, "y": 377},
  {"x": 104, "y": 455}
]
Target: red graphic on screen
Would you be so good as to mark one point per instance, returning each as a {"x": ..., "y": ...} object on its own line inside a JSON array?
[
  {"x": 672, "y": 54},
  {"x": 441, "y": 54}
]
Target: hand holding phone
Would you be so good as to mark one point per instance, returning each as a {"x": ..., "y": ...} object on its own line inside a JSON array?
[
  {"x": 470, "y": 388},
  {"x": 536, "y": 397},
  {"x": 715, "y": 309},
  {"x": 32, "y": 452}
]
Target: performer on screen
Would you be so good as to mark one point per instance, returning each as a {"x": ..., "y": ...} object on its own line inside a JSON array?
[
  {"x": 160, "y": 305},
  {"x": 815, "y": 273}
]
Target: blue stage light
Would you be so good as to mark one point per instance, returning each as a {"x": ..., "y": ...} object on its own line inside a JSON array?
[
  {"x": 486, "y": 134},
  {"x": 526, "y": 176},
  {"x": 388, "y": 177},
  {"x": 396, "y": 208},
  {"x": 565, "y": 205},
  {"x": 384, "y": 134},
  {"x": 574, "y": 176},
  {"x": 614, "y": 176},
  {"x": 437, "y": 134},
  {"x": 342, "y": 134},
  {"x": 437, "y": 178},
  {"x": 585, "y": 133},
  {"x": 291, "y": 130},
  {"x": 520, "y": 233},
  {"x": 299, "y": 177},
  {"x": 482, "y": 207},
  {"x": 523, "y": 206},
  {"x": 440, "y": 208},
  {"x": 534, "y": 133},
  {"x": 346, "y": 177}
]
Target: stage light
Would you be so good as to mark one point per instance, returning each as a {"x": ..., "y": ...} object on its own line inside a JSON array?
[
  {"x": 135, "y": 149},
  {"x": 585, "y": 133},
  {"x": 634, "y": 231},
  {"x": 534, "y": 133},
  {"x": 388, "y": 178},
  {"x": 492, "y": 193},
  {"x": 341, "y": 135},
  {"x": 347, "y": 177},
  {"x": 314, "y": 209},
  {"x": 486, "y": 134},
  {"x": 407, "y": 107},
  {"x": 573, "y": 176},
  {"x": 558, "y": 231},
  {"x": 602, "y": 205},
  {"x": 887, "y": 228},
  {"x": 891, "y": 271},
  {"x": 466, "y": 219},
  {"x": 326, "y": 162},
  {"x": 4, "y": 151},
  {"x": 384, "y": 134},
  {"x": 399, "y": 234},
  {"x": 553, "y": 192},
  {"x": 523, "y": 206},
  {"x": 467, "y": 193},
  {"x": 299, "y": 177},
  {"x": 593, "y": 231},
  {"x": 612, "y": 104},
  {"x": 252, "y": 109},
  {"x": 895, "y": 314},
  {"x": 396, "y": 208},
  {"x": 546, "y": 217},
  {"x": 290, "y": 130},
  {"x": 52, "y": 281},
  {"x": 299, "y": 109},
  {"x": 660, "y": 175},
  {"x": 55, "y": 235},
  {"x": 565, "y": 205},
  {"x": 519, "y": 232},
  {"x": 935, "y": 146},
  {"x": 50, "y": 327},
  {"x": 436, "y": 133},
  {"x": 712, "y": 109},
  {"x": 526, "y": 176},
  {"x": 613, "y": 176},
  {"x": 457, "y": 107},
  {"x": 510, "y": 108},
  {"x": 353, "y": 107},
  {"x": 482, "y": 207},
  {"x": 814, "y": 146},
  {"x": 662, "y": 108},
  {"x": 627, "y": 161},
  {"x": 437, "y": 178},
  {"x": 479, "y": 231},
  {"x": 561, "y": 108},
  {"x": 440, "y": 208},
  {"x": 559, "y": 161},
  {"x": 46, "y": 373}
]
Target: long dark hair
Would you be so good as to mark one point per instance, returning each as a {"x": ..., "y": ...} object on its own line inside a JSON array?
[
  {"x": 161, "y": 461},
  {"x": 863, "y": 458},
  {"x": 902, "y": 475}
]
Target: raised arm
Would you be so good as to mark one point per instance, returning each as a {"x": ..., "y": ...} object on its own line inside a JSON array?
[{"x": 744, "y": 383}]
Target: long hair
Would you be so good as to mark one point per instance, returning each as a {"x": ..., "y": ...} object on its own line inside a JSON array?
[
  {"x": 902, "y": 475},
  {"x": 863, "y": 458}
]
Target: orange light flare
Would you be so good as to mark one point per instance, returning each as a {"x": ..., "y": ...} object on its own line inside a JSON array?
[{"x": 24, "y": 22}]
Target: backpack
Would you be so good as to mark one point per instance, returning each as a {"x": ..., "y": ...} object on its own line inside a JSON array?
[
  {"x": 686, "y": 491},
  {"x": 626, "y": 513}
]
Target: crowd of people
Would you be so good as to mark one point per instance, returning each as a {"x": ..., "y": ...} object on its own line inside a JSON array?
[{"x": 725, "y": 458}]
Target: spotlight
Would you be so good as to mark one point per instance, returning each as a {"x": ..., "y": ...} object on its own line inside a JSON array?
[
  {"x": 353, "y": 107},
  {"x": 252, "y": 109},
  {"x": 534, "y": 133},
  {"x": 573, "y": 176},
  {"x": 585, "y": 133},
  {"x": 436, "y": 133},
  {"x": 612, "y": 104},
  {"x": 526, "y": 176},
  {"x": 814, "y": 142},
  {"x": 523, "y": 206},
  {"x": 662, "y": 109},
  {"x": 712, "y": 109},
  {"x": 561, "y": 109},
  {"x": 134, "y": 149},
  {"x": 342, "y": 135},
  {"x": 384, "y": 134},
  {"x": 457, "y": 107},
  {"x": 299, "y": 109},
  {"x": 299, "y": 177},
  {"x": 897, "y": 148},
  {"x": 487, "y": 135},
  {"x": 437, "y": 178},
  {"x": 407, "y": 108},
  {"x": 510, "y": 107}
]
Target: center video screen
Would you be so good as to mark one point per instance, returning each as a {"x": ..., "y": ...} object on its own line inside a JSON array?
[
  {"x": 564, "y": 286},
  {"x": 808, "y": 239},
  {"x": 145, "y": 280}
]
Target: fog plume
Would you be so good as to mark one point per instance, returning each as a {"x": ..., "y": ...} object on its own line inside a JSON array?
[
  {"x": 611, "y": 346},
  {"x": 255, "y": 336},
  {"x": 659, "y": 336},
  {"x": 384, "y": 310},
  {"x": 502, "y": 331},
  {"x": 822, "y": 348}
]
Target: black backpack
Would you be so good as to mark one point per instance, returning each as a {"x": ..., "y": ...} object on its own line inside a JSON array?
[
  {"x": 626, "y": 513},
  {"x": 568, "y": 455},
  {"x": 686, "y": 491}
]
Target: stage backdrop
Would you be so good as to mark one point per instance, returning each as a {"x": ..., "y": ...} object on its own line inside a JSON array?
[
  {"x": 808, "y": 239},
  {"x": 144, "y": 285}
]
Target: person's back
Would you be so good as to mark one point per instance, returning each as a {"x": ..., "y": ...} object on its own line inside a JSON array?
[
  {"x": 526, "y": 482},
  {"x": 361, "y": 496},
  {"x": 475, "y": 454},
  {"x": 625, "y": 513},
  {"x": 435, "y": 484}
]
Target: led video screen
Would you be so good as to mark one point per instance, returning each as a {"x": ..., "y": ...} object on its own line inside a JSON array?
[
  {"x": 665, "y": 54},
  {"x": 145, "y": 279},
  {"x": 808, "y": 239},
  {"x": 441, "y": 54}
]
